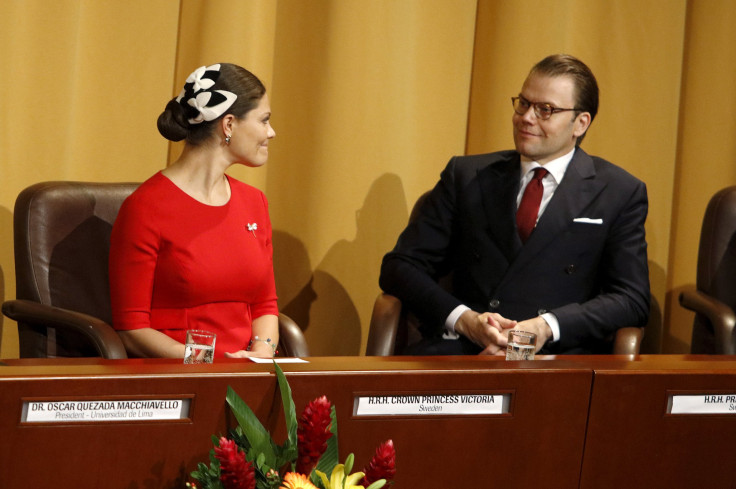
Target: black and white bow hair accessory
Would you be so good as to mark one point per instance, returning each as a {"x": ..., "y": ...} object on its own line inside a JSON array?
[{"x": 201, "y": 103}]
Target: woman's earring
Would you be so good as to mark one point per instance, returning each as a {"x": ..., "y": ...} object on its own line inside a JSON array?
[{"x": 227, "y": 139}]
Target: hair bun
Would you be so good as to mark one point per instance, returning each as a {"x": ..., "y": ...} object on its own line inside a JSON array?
[{"x": 172, "y": 123}]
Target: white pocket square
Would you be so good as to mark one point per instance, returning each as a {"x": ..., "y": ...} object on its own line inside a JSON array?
[{"x": 587, "y": 220}]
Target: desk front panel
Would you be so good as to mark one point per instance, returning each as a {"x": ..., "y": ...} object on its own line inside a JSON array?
[
  {"x": 541, "y": 437},
  {"x": 633, "y": 441}
]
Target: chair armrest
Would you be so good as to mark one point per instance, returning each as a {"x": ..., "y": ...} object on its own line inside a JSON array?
[
  {"x": 384, "y": 326},
  {"x": 100, "y": 334},
  {"x": 719, "y": 314},
  {"x": 291, "y": 338},
  {"x": 628, "y": 341}
]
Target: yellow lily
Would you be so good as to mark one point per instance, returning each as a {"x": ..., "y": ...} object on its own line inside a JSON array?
[{"x": 338, "y": 480}]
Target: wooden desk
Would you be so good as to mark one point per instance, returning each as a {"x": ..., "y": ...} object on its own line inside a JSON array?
[
  {"x": 541, "y": 438},
  {"x": 588, "y": 422}
]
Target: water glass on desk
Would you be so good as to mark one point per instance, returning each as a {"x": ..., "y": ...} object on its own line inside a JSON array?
[
  {"x": 521, "y": 345},
  {"x": 199, "y": 346}
]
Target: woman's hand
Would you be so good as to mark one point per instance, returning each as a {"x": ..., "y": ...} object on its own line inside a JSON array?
[{"x": 250, "y": 354}]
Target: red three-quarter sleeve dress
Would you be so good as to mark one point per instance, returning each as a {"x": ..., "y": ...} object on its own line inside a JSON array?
[{"x": 178, "y": 264}]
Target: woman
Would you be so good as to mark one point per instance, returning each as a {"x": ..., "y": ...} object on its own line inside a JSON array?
[{"x": 191, "y": 247}]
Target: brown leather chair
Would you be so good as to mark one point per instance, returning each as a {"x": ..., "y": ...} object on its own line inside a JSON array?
[
  {"x": 714, "y": 296},
  {"x": 393, "y": 328},
  {"x": 62, "y": 242}
]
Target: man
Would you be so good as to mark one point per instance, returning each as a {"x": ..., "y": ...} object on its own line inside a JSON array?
[{"x": 573, "y": 279}]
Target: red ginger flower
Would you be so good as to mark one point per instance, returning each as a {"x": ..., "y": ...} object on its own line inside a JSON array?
[
  {"x": 235, "y": 471},
  {"x": 382, "y": 465},
  {"x": 312, "y": 434}
]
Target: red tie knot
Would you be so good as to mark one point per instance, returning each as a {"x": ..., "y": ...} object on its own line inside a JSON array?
[{"x": 539, "y": 173}]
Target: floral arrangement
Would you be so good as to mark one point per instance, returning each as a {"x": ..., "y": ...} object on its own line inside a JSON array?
[{"x": 251, "y": 459}]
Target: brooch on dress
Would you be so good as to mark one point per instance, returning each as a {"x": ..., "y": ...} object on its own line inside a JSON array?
[{"x": 252, "y": 228}]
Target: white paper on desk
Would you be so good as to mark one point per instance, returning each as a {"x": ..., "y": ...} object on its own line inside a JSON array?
[{"x": 278, "y": 360}]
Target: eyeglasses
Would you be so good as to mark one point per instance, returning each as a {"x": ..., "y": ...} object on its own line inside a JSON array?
[{"x": 542, "y": 110}]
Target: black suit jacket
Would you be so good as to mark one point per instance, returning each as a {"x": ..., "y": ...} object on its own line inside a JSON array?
[{"x": 585, "y": 262}]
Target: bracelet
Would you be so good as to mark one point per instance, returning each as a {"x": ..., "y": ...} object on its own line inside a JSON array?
[{"x": 267, "y": 341}]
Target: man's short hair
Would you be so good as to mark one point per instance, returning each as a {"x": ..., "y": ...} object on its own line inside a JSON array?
[{"x": 586, "y": 86}]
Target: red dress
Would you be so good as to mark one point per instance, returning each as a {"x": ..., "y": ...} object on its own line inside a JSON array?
[{"x": 178, "y": 264}]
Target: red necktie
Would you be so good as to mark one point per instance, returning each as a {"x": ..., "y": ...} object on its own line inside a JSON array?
[{"x": 526, "y": 215}]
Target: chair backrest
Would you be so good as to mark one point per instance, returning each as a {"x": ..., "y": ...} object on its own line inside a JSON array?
[
  {"x": 717, "y": 252},
  {"x": 62, "y": 242},
  {"x": 716, "y": 273}
]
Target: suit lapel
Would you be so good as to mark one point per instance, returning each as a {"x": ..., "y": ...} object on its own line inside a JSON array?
[
  {"x": 578, "y": 188},
  {"x": 499, "y": 185}
]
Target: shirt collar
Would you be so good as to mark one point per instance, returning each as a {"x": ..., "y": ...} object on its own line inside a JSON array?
[{"x": 556, "y": 167}]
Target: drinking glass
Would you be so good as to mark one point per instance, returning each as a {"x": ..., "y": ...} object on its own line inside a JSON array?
[
  {"x": 521, "y": 345},
  {"x": 199, "y": 346}
]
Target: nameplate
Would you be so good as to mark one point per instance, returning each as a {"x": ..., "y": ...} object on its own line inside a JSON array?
[
  {"x": 104, "y": 411},
  {"x": 703, "y": 404},
  {"x": 432, "y": 405}
]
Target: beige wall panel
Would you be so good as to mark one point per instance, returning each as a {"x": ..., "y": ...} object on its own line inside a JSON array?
[
  {"x": 707, "y": 146},
  {"x": 635, "y": 51},
  {"x": 638, "y": 61},
  {"x": 370, "y": 102},
  {"x": 215, "y": 31},
  {"x": 87, "y": 80}
]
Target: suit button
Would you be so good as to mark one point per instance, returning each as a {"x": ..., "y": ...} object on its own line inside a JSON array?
[
  {"x": 570, "y": 269},
  {"x": 494, "y": 304},
  {"x": 541, "y": 311}
]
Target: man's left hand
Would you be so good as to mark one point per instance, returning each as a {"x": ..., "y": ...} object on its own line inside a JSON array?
[{"x": 536, "y": 325}]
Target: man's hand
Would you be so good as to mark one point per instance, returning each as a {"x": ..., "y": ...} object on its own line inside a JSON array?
[
  {"x": 487, "y": 330},
  {"x": 539, "y": 327}
]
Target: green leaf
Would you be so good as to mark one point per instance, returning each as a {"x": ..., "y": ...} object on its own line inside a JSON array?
[
  {"x": 208, "y": 477},
  {"x": 258, "y": 437},
  {"x": 290, "y": 446},
  {"x": 238, "y": 437},
  {"x": 261, "y": 460}
]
